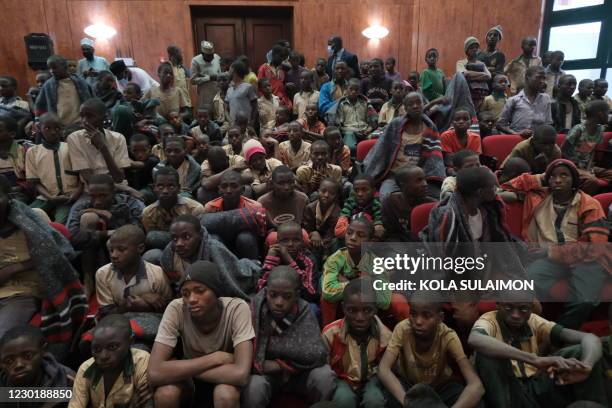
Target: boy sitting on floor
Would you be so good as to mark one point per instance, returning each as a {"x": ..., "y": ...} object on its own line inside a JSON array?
[
  {"x": 289, "y": 353},
  {"x": 427, "y": 350},
  {"x": 509, "y": 343},
  {"x": 284, "y": 203},
  {"x": 294, "y": 152},
  {"x": 306, "y": 96},
  {"x": 140, "y": 173},
  {"x": 48, "y": 167},
  {"x": 339, "y": 154},
  {"x": 213, "y": 168},
  {"x": 309, "y": 176},
  {"x": 157, "y": 217},
  {"x": 361, "y": 200},
  {"x": 175, "y": 150},
  {"x": 289, "y": 250},
  {"x": 355, "y": 117},
  {"x": 267, "y": 105},
  {"x": 217, "y": 342},
  {"x": 235, "y": 141},
  {"x": 313, "y": 127},
  {"x": 259, "y": 168},
  {"x": 128, "y": 283},
  {"x": 397, "y": 208},
  {"x": 206, "y": 126},
  {"x": 25, "y": 361},
  {"x": 360, "y": 332},
  {"x": 117, "y": 373},
  {"x": 320, "y": 218}
]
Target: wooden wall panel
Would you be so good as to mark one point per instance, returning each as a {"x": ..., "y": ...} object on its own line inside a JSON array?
[
  {"x": 146, "y": 27},
  {"x": 443, "y": 25},
  {"x": 515, "y": 25}
]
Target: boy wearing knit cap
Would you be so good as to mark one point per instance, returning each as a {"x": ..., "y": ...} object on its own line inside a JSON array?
[
  {"x": 259, "y": 168},
  {"x": 216, "y": 335},
  {"x": 559, "y": 215},
  {"x": 475, "y": 71},
  {"x": 492, "y": 57}
]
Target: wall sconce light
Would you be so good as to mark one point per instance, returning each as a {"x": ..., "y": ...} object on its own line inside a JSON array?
[
  {"x": 375, "y": 32},
  {"x": 100, "y": 31}
]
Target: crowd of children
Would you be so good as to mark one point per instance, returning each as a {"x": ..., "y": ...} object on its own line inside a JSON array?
[{"x": 174, "y": 254}]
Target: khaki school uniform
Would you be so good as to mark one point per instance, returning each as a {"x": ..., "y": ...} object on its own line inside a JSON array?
[
  {"x": 431, "y": 367},
  {"x": 50, "y": 168},
  {"x": 171, "y": 99},
  {"x": 291, "y": 158},
  {"x": 131, "y": 389},
  {"x": 229, "y": 150},
  {"x": 308, "y": 179},
  {"x": 540, "y": 328},
  {"x": 234, "y": 327},
  {"x": 267, "y": 112},
  {"x": 111, "y": 288},
  {"x": 205, "y": 170},
  {"x": 68, "y": 102},
  {"x": 85, "y": 156},
  {"x": 14, "y": 249},
  {"x": 303, "y": 99},
  {"x": 388, "y": 112},
  {"x": 157, "y": 218}
]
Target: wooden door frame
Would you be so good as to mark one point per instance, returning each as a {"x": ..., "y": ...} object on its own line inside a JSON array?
[{"x": 212, "y": 8}]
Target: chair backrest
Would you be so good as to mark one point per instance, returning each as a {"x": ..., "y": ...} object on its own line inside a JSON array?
[
  {"x": 605, "y": 200},
  {"x": 560, "y": 139},
  {"x": 363, "y": 148},
  {"x": 514, "y": 217},
  {"x": 603, "y": 148},
  {"x": 500, "y": 146},
  {"x": 419, "y": 217}
]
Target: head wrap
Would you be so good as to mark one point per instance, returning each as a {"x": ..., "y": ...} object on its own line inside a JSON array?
[
  {"x": 469, "y": 41},
  {"x": 567, "y": 163},
  {"x": 499, "y": 30},
  {"x": 207, "y": 47},
  {"x": 88, "y": 42},
  {"x": 251, "y": 147}
]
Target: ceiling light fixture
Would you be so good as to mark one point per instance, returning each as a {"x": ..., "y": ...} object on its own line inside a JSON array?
[
  {"x": 375, "y": 32},
  {"x": 100, "y": 31}
]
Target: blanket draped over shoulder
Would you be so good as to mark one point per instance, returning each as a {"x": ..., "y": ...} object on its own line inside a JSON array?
[{"x": 295, "y": 343}]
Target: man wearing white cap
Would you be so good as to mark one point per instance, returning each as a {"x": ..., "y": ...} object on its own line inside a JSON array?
[
  {"x": 89, "y": 66},
  {"x": 204, "y": 70}
]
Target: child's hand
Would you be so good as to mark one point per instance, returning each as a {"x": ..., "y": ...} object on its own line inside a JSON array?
[
  {"x": 136, "y": 304},
  {"x": 526, "y": 133},
  {"x": 316, "y": 240},
  {"x": 274, "y": 250},
  {"x": 284, "y": 255},
  {"x": 240, "y": 166},
  {"x": 379, "y": 231},
  {"x": 95, "y": 136}
]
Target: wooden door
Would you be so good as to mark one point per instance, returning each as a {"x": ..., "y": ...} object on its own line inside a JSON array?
[
  {"x": 234, "y": 31},
  {"x": 227, "y": 35},
  {"x": 262, "y": 33}
]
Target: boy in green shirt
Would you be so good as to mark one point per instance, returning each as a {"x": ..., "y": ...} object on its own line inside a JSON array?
[{"x": 432, "y": 78}]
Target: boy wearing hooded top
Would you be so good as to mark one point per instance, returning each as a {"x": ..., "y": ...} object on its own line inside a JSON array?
[{"x": 289, "y": 354}]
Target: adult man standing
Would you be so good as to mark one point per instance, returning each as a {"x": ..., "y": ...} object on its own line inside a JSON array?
[
  {"x": 89, "y": 66},
  {"x": 337, "y": 53},
  {"x": 204, "y": 70},
  {"x": 137, "y": 75}
]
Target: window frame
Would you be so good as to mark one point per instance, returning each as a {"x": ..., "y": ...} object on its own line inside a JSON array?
[{"x": 582, "y": 15}]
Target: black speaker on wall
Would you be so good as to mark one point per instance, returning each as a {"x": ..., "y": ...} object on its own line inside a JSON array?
[{"x": 39, "y": 47}]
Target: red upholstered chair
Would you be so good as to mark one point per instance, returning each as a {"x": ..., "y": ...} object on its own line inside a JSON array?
[
  {"x": 499, "y": 146},
  {"x": 363, "y": 148},
  {"x": 605, "y": 200},
  {"x": 419, "y": 217},
  {"x": 603, "y": 148},
  {"x": 514, "y": 217},
  {"x": 561, "y": 139}
]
